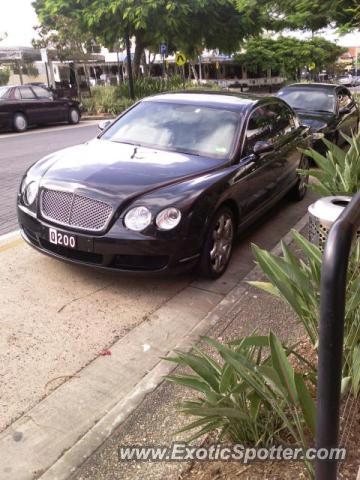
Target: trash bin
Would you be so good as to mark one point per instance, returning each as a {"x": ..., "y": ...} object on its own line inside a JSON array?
[{"x": 322, "y": 214}]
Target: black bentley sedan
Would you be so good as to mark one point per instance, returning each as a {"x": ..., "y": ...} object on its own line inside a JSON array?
[
  {"x": 327, "y": 109},
  {"x": 167, "y": 185},
  {"x": 24, "y": 105}
]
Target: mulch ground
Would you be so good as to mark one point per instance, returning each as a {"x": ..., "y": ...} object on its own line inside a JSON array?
[{"x": 281, "y": 470}]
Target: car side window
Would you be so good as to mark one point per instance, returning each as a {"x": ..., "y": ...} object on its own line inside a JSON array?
[
  {"x": 27, "y": 93},
  {"x": 16, "y": 94},
  {"x": 261, "y": 127},
  {"x": 286, "y": 120},
  {"x": 41, "y": 92}
]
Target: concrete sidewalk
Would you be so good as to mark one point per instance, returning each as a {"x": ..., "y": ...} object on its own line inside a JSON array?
[
  {"x": 155, "y": 421},
  {"x": 60, "y": 304}
]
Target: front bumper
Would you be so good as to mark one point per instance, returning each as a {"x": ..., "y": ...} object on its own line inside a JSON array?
[{"x": 128, "y": 253}]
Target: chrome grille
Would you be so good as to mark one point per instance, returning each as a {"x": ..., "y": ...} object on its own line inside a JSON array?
[{"x": 74, "y": 210}]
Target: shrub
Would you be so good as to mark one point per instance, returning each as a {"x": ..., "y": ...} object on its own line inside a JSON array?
[
  {"x": 105, "y": 100},
  {"x": 4, "y": 76},
  {"x": 338, "y": 172},
  {"x": 115, "y": 99},
  {"x": 298, "y": 283},
  {"x": 252, "y": 397}
]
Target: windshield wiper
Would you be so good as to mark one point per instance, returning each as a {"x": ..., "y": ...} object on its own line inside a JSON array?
[{"x": 126, "y": 143}]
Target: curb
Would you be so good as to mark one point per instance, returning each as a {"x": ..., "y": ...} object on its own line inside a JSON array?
[
  {"x": 97, "y": 117},
  {"x": 10, "y": 240},
  {"x": 76, "y": 455}
]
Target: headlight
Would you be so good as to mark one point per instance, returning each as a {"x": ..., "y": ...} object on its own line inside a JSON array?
[
  {"x": 138, "y": 218},
  {"x": 168, "y": 219},
  {"x": 30, "y": 192}
]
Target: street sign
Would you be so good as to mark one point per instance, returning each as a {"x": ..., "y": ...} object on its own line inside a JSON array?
[
  {"x": 180, "y": 59},
  {"x": 163, "y": 49},
  {"x": 44, "y": 55},
  {"x": 312, "y": 66}
]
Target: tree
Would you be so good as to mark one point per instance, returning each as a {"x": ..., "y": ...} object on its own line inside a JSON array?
[
  {"x": 346, "y": 15},
  {"x": 313, "y": 15},
  {"x": 288, "y": 55},
  {"x": 190, "y": 24},
  {"x": 310, "y": 15},
  {"x": 69, "y": 40},
  {"x": 64, "y": 35}
]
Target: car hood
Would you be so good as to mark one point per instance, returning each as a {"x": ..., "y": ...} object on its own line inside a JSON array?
[
  {"x": 316, "y": 120},
  {"x": 120, "y": 170}
]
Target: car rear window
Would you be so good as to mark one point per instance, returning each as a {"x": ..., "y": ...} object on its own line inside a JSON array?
[
  {"x": 309, "y": 99},
  {"x": 180, "y": 127},
  {"x": 4, "y": 92}
]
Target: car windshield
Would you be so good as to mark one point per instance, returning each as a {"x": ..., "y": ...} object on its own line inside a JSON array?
[
  {"x": 185, "y": 128},
  {"x": 3, "y": 91},
  {"x": 309, "y": 99}
]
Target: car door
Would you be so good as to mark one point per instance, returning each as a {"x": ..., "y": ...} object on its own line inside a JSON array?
[
  {"x": 266, "y": 166},
  {"x": 53, "y": 110},
  {"x": 348, "y": 113},
  {"x": 289, "y": 141},
  {"x": 30, "y": 105}
]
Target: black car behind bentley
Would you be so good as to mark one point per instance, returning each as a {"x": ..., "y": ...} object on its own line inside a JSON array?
[
  {"x": 167, "y": 185},
  {"x": 25, "y": 105},
  {"x": 326, "y": 108}
]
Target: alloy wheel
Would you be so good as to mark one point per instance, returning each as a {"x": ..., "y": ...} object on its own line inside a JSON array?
[
  {"x": 74, "y": 116},
  {"x": 223, "y": 236},
  {"x": 20, "y": 123}
]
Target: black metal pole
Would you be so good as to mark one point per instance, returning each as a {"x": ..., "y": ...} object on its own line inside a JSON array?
[
  {"x": 331, "y": 334},
  {"x": 130, "y": 73}
]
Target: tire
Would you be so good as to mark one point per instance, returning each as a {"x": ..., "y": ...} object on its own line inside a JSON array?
[
  {"x": 218, "y": 244},
  {"x": 20, "y": 123},
  {"x": 298, "y": 191},
  {"x": 74, "y": 116}
]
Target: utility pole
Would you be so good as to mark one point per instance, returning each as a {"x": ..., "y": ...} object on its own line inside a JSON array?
[{"x": 130, "y": 73}]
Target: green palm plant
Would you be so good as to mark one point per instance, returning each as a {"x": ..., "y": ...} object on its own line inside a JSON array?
[
  {"x": 251, "y": 396},
  {"x": 338, "y": 172},
  {"x": 298, "y": 283}
]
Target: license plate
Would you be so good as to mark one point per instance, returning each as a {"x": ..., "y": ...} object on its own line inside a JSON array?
[{"x": 62, "y": 239}]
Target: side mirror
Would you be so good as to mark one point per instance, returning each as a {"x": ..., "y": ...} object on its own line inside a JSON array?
[
  {"x": 263, "y": 147},
  {"x": 104, "y": 124}
]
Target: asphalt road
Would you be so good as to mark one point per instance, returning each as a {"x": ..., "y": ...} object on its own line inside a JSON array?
[{"x": 20, "y": 150}]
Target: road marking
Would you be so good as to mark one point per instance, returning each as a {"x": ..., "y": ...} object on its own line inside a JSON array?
[
  {"x": 9, "y": 246},
  {"x": 6, "y": 237},
  {"x": 87, "y": 123}
]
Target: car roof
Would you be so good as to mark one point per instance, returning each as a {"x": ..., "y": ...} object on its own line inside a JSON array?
[
  {"x": 313, "y": 86},
  {"x": 227, "y": 100},
  {"x": 16, "y": 86}
]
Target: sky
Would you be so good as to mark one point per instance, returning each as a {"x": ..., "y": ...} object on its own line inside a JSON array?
[{"x": 18, "y": 18}]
